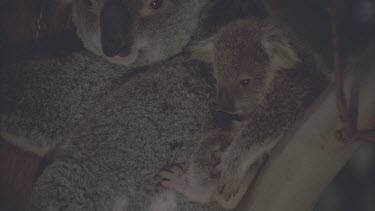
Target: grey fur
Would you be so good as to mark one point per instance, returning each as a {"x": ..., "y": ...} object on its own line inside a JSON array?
[
  {"x": 141, "y": 127},
  {"x": 117, "y": 126},
  {"x": 283, "y": 80},
  {"x": 41, "y": 101}
]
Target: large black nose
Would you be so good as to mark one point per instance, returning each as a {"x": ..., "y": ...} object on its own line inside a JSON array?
[{"x": 115, "y": 26}]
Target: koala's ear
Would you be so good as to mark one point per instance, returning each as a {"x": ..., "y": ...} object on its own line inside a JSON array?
[
  {"x": 277, "y": 47},
  {"x": 203, "y": 50}
]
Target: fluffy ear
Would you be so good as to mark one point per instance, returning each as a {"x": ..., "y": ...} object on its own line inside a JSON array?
[
  {"x": 277, "y": 47},
  {"x": 203, "y": 50}
]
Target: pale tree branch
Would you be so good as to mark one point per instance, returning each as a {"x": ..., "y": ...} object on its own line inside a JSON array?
[
  {"x": 307, "y": 159},
  {"x": 311, "y": 155}
]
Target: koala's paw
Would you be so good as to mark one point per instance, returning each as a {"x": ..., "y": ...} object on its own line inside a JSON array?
[
  {"x": 174, "y": 178},
  {"x": 216, "y": 171},
  {"x": 228, "y": 186},
  {"x": 228, "y": 189},
  {"x": 228, "y": 194},
  {"x": 216, "y": 157}
]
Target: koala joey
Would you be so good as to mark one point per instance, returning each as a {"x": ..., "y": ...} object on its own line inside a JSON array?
[
  {"x": 266, "y": 78},
  {"x": 135, "y": 32}
]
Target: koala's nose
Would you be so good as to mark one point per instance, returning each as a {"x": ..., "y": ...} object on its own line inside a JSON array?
[
  {"x": 225, "y": 102},
  {"x": 224, "y": 120},
  {"x": 116, "y": 24}
]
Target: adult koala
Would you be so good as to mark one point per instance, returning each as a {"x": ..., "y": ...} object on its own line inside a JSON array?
[
  {"x": 117, "y": 125},
  {"x": 136, "y": 32},
  {"x": 42, "y": 100}
]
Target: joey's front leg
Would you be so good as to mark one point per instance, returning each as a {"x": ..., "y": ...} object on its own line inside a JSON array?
[
  {"x": 240, "y": 164},
  {"x": 199, "y": 183},
  {"x": 231, "y": 174}
]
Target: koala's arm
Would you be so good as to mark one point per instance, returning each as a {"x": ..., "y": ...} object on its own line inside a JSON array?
[
  {"x": 199, "y": 182},
  {"x": 250, "y": 145},
  {"x": 243, "y": 159},
  {"x": 203, "y": 175},
  {"x": 207, "y": 154}
]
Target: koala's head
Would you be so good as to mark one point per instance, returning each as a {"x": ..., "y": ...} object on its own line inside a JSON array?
[
  {"x": 135, "y": 32},
  {"x": 247, "y": 56}
]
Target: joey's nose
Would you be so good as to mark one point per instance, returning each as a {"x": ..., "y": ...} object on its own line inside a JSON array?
[
  {"x": 116, "y": 24},
  {"x": 224, "y": 120},
  {"x": 225, "y": 102}
]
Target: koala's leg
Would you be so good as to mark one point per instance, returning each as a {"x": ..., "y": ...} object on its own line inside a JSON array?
[
  {"x": 199, "y": 183},
  {"x": 246, "y": 181},
  {"x": 239, "y": 166}
]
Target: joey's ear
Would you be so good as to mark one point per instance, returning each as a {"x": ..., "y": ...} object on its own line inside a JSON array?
[
  {"x": 277, "y": 47},
  {"x": 203, "y": 50}
]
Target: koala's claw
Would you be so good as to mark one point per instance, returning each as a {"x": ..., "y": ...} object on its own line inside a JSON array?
[
  {"x": 229, "y": 187},
  {"x": 228, "y": 192},
  {"x": 172, "y": 172},
  {"x": 217, "y": 170},
  {"x": 216, "y": 157},
  {"x": 174, "y": 178}
]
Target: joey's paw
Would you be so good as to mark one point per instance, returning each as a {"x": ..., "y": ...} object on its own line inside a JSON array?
[
  {"x": 174, "y": 178},
  {"x": 217, "y": 167},
  {"x": 216, "y": 157},
  {"x": 228, "y": 187},
  {"x": 216, "y": 171}
]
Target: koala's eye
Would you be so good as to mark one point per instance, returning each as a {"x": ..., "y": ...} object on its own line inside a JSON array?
[
  {"x": 156, "y": 4},
  {"x": 88, "y": 3},
  {"x": 245, "y": 82}
]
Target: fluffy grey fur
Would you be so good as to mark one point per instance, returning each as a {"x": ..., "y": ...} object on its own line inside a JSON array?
[
  {"x": 153, "y": 120},
  {"x": 116, "y": 127},
  {"x": 41, "y": 101}
]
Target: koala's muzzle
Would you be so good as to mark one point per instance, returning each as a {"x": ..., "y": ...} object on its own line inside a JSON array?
[
  {"x": 224, "y": 119},
  {"x": 115, "y": 25},
  {"x": 225, "y": 100}
]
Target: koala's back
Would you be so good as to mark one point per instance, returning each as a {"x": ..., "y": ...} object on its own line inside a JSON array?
[
  {"x": 154, "y": 119},
  {"x": 42, "y": 100}
]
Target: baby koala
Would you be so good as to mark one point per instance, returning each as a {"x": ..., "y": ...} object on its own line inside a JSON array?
[{"x": 266, "y": 78}]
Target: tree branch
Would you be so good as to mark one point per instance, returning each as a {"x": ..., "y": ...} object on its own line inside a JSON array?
[
  {"x": 349, "y": 131},
  {"x": 341, "y": 100},
  {"x": 307, "y": 159}
]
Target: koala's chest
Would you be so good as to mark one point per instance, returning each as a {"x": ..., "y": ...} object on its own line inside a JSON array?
[{"x": 164, "y": 110}]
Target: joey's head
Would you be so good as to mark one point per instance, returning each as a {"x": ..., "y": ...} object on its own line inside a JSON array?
[
  {"x": 135, "y": 32},
  {"x": 247, "y": 56}
]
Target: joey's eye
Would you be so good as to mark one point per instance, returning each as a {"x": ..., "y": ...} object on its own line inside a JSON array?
[
  {"x": 156, "y": 4},
  {"x": 245, "y": 82},
  {"x": 88, "y": 3}
]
